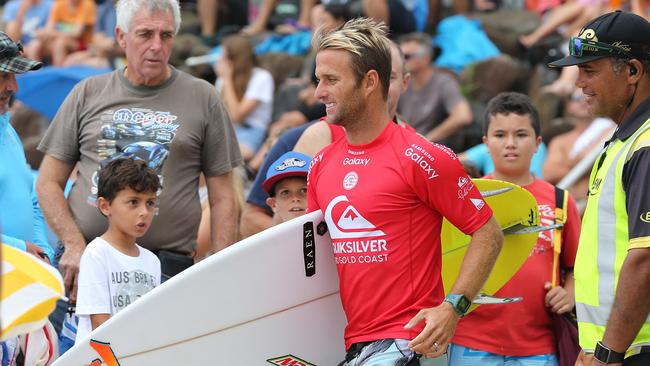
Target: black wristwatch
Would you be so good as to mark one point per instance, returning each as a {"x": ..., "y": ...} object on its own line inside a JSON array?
[
  {"x": 606, "y": 355},
  {"x": 459, "y": 302}
]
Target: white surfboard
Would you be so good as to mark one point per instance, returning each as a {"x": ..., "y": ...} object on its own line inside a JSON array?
[
  {"x": 254, "y": 303},
  {"x": 269, "y": 299}
]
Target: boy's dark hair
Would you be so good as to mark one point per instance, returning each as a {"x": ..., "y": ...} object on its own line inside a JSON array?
[
  {"x": 510, "y": 102},
  {"x": 121, "y": 173}
]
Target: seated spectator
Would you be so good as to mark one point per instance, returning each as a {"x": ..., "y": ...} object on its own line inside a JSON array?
[
  {"x": 308, "y": 108},
  {"x": 401, "y": 16},
  {"x": 103, "y": 50},
  {"x": 282, "y": 16},
  {"x": 286, "y": 185},
  {"x": 574, "y": 14},
  {"x": 218, "y": 17},
  {"x": 565, "y": 151},
  {"x": 432, "y": 103},
  {"x": 247, "y": 91},
  {"x": 69, "y": 28},
  {"x": 23, "y": 18},
  {"x": 640, "y": 8}
]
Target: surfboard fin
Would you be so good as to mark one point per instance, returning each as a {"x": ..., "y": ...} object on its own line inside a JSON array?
[
  {"x": 523, "y": 229},
  {"x": 483, "y": 299},
  {"x": 494, "y": 192}
]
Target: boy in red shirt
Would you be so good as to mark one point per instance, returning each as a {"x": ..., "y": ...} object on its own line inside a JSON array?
[{"x": 521, "y": 333}]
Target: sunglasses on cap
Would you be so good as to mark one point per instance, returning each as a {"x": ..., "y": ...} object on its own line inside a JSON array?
[
  {"x": 11, "y": 50},
  {"x": 579, "y": 47}
]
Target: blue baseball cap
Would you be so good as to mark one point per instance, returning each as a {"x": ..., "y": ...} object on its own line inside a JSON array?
[{"x": 290, "y": 164}]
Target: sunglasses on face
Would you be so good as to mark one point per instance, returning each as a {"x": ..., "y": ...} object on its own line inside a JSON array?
[
  {"x": 11, "y": 50},
  {"x": 408, "y": 56},
  {"x": 579, "y": 47}
]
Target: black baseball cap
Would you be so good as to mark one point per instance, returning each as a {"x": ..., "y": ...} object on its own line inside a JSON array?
[
  {"x": 615, "y": 34},
  {"x": 11, "y": 59}
]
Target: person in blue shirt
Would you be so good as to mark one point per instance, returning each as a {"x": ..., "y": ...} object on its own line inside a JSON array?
[
  {"x": 21, "y": 219},
  {"x": 24, "y": 17}
]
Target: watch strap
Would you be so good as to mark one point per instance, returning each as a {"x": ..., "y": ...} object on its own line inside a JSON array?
[
  {"x": 459, "y": 302},
  {"x": 606, "y": 355}
]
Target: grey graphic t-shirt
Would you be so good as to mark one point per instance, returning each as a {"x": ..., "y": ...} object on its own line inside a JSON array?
[{"x": 180, "y": 128}]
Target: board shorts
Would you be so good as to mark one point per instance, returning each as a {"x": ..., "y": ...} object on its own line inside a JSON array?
[
  {"x": 465, "y": 356},
  {"x": 391, "y": 352}
]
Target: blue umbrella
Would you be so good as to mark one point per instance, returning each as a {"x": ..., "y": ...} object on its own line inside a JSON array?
[{"x": 44, "y": 90}]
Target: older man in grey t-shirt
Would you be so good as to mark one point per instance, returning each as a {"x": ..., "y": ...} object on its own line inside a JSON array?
[{"x": 148, "y": 111}]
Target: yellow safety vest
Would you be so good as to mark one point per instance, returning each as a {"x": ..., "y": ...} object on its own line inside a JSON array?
[{"x": 604, "y": 243}]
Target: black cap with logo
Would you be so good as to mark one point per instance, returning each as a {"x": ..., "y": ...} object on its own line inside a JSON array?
[
  {"x": 11, "y": 59},
  {"x": 615, "y": 34}
]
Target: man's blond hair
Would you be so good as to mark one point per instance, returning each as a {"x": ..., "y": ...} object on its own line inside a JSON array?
[{"x": 366, "y": 42}]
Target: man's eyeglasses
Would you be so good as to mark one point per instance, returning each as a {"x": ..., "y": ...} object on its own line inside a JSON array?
[
  {"x": 579, "y": 47},
  {"x": 11, "y": 50}
]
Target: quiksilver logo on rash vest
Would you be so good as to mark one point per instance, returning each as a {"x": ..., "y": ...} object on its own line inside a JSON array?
[{"x": 355, "y": 240}]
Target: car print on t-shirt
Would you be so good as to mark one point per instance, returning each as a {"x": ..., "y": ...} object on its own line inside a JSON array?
[{"x": 137, "y": 133}]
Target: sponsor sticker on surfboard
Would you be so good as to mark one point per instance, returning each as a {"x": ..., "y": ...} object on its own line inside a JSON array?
[{"x": 289, "y": 360}]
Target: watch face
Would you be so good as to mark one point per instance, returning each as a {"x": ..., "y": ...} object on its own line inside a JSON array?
[{"x": 463, "y": 303}]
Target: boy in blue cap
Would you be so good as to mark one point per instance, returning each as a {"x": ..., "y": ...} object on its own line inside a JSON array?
[{"x": 286, "y": 184}]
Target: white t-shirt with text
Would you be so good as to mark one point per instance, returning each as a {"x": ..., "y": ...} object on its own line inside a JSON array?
[{"x": 110, "y": 280}]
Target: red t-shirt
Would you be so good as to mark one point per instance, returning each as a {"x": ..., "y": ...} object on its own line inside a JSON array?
[
  {"x": 524, "y": 328},
  {"x": 384, "y": 203}
]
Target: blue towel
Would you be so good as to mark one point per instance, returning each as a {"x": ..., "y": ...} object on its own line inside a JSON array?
[
  {"x": 463, "y": 42},
  {"x": 295, "y": 44}
]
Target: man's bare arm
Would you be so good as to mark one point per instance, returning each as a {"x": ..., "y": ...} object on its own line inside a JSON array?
[
  {"x": 459, "y": 117},
  {"x": 254, "y": 219},
  {"x": 632, "y": 301},
  {"x": 52, "y": 178},
  {"x": 223, "y": 217}
]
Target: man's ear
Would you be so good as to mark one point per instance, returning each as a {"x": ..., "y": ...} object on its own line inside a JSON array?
[
  {"x": 104, "y": 206},
  {"x": 120, "y": 36},
  {"x": 538, "y": 141},
  {"x": 405, "y": 82},
  {"x": 371, "y": 82},
  {"x": 635, "y": 71}
]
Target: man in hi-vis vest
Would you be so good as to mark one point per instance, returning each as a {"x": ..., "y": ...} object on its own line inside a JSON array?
[{"x": 612, "y": 267}]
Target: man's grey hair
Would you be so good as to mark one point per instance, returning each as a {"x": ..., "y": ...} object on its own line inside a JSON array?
[
  {"x": 618, "y": 63},
  {"x": 126, "y": 9}
]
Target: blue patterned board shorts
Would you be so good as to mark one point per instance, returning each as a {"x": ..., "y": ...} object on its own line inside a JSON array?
[
  {"x": 465, "y": 356},
  {"x": 392, "y": 352}
]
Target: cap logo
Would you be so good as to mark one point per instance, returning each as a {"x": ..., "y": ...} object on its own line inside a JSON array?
[
  {"x": 622, "y": 46},
  {"x": 290, "y": 163},
  {"x": 589, "y": 34}
]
